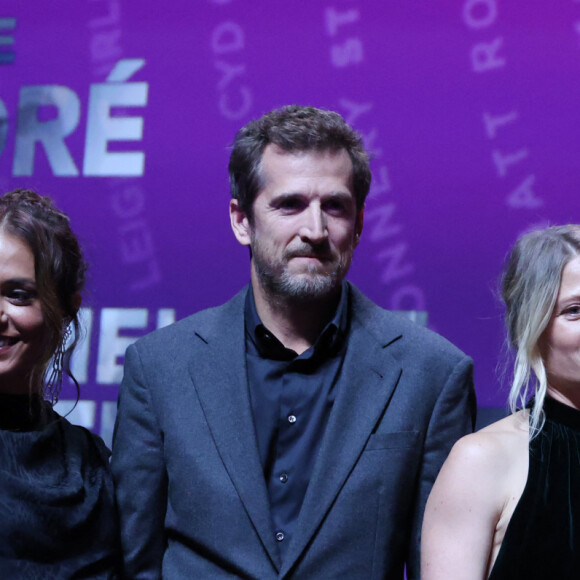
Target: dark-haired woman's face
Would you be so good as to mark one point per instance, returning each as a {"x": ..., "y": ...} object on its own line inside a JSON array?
[
  {"x": 21, "y": 319},
  {"x": 561, "y": 340}
]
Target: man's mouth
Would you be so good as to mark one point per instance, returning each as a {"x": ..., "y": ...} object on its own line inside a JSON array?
[
  {"x": 321, "y": 257},
  {"x": 8, "y": 341}
]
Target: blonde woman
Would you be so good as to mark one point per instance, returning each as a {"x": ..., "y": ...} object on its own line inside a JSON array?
[{"x": 506, "y": 503}]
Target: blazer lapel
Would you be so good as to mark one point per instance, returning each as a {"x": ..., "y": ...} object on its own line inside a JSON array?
[
  {"x": 218, "y": 371},
  {"x": 367, "y": 381}
]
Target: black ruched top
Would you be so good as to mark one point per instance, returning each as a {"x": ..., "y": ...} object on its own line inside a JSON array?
[
  {"x": 57, "y": 510},
  {"x": 542, "y": 540}
]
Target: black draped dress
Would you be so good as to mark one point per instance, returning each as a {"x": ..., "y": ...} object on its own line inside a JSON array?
[
  {"x": 57, "y": 510},
  {"x": 542, "y": 541}
]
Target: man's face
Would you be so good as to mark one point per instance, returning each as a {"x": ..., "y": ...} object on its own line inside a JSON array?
[{"x": 305, "y": 224}]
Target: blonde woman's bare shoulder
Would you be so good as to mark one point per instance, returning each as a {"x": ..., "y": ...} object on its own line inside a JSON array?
[
  {"x": 515, "y": 424},
  {"x": 494, "y": 449},
  {"x": 472, "y": 500}
]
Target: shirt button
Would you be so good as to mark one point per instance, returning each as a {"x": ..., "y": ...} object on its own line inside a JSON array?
[
  {"x": 279, "y": 536},
  {"x": 283, "y": 477},
  {"x": 291, "y": 419}
]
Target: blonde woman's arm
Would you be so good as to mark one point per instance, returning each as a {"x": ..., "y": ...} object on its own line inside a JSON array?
[{"x": 465, "y": 517}]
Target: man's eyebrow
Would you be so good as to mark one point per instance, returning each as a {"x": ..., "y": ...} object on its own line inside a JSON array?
[
  {"x": 340, "y": 193},
  {"x": 284, "y": 194}
]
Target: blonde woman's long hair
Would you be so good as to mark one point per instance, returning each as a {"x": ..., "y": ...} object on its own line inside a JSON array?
[{"x": 530, "y": 285}]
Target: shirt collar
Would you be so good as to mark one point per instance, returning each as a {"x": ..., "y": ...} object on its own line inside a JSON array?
[{"x": 268, "y": 346}]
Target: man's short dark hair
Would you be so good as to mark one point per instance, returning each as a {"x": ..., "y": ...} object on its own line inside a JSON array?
[{"x": 294, "y": 128}]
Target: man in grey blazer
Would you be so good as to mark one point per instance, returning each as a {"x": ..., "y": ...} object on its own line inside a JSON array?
[{"x": 295, "y": 431}]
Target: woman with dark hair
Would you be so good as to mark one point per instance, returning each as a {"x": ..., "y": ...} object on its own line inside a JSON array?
[
  {"x": 506, "y": 503},
  {"x": 57, "y": 512}
]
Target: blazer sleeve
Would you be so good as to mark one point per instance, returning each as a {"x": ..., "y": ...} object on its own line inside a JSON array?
[
  {"x": 453, "y": 417},
  {"x": 139, "y": 474}
]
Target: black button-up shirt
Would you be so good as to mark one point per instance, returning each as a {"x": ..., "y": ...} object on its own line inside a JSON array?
[{"x": 291, "y": 397}]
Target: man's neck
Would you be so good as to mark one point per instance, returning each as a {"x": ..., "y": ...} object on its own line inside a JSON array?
[{"x": 296, "y": 324}]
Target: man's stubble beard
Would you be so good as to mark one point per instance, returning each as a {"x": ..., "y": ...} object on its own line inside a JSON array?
[{"x": 309, "y": 286}]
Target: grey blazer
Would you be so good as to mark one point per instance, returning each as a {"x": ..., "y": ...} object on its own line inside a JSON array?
[{"x": 190, "y": 489}]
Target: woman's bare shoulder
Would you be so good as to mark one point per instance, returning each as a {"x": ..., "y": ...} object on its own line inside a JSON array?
[
  {"x": 514, "y": 424},
  {"x": 470, "y": 496},
  {"x": 494, "y": 448}
]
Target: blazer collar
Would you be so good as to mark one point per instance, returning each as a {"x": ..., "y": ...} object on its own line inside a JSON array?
[{"x": 367, "y": 382}]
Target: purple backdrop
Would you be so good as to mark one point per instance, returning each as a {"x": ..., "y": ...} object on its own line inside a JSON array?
[{"x": 123, "y": 111}]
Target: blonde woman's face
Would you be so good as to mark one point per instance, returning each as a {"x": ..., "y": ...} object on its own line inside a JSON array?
[
  {"x": 561, "y": 340},
  {"x": 22, "y": 325}
]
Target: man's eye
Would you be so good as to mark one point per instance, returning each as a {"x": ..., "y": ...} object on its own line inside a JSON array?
[
  {"x": 335, "y": 207},
  {"x": 290, "y": 204}
]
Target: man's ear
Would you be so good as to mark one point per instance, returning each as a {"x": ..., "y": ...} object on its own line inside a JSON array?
[
  {"x": 240, "y": 223},
  {"x": 358, "y": 226}
]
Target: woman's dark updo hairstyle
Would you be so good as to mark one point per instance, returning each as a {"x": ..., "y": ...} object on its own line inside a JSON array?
[{"x": 60, "y": 276}]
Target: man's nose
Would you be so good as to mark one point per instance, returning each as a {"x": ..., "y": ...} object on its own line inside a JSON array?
[{"x": 314, "y": 228}]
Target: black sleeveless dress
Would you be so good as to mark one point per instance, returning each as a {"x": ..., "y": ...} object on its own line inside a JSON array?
[
  {"x": 57, "y": 510},
  {"x": 542, "y": 540}
]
